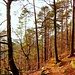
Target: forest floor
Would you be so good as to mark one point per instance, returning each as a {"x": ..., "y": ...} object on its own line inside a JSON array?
[{"x": 62, "y": 68}]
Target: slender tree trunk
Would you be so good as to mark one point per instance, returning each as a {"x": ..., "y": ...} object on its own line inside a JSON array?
[
  {"x": 72, "y": 43},
  {"x": 62, "y": 34},
  {"x": 55, "y": 40},
  {"x": 45, "y": 42},
  {"x": 0, "y": 56},
  {"x": 42, "y": 59},
  {"x": 67, "y": 25},
  {"x": 36, "y": 35},
  {"x": 10, "y": 50},
  {"x": 50, "y": 45}
]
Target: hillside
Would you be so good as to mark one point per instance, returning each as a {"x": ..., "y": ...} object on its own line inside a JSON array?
[{"x": 62, "y": 68}]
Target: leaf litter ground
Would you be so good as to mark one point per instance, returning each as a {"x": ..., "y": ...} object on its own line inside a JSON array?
[{"x": 62, "y": 68}]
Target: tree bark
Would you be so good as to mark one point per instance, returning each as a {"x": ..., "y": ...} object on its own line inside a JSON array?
[
  {"x": 0, "y": 56},
  {"x": 55, "y": 40},
  {"x": 67, "y": 25},
  {"x": 36, "y": 35},
  {"x": 10, "y": 49},
  {"x": 72, "y": 43},
  {"x": 45, "y": 42}
]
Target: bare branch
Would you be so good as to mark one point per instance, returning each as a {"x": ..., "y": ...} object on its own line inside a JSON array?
[
  {"x": 5, "y": 1},
  {"x": 33, "y": 5},
  {"x": 16, "y": 34},
  {"x": 3, "y": 36},
  {"x": 2, "y": 22},
  {"x": 20, "y": 43},
  {"x": 23, "y": 49},
  {"x": 46, "y": 2},
  {"x": 3, "y": 42}
]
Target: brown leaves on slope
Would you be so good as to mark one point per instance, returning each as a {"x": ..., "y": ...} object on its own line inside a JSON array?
[{"x": 62, "y": 68}]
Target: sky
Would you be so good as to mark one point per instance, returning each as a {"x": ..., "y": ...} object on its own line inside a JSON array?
[{"x": 16, "y": 7}]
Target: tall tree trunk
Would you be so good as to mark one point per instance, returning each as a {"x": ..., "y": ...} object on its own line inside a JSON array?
[
  {"x": 42, "y": 59},
  {"x": 45, "y": 42},
  {"x": 50, "y": 45},
  {"x": 62, "y": 33},
  {"x": 36, "y": 35},
  {"x": 55, "y": 40},
  {"x": 72, "y": 43},
  {"x": 10, "y": 49},
  {"x": 67, "y": 25},
  {"x": 0, "y": 56},
  {"x": 28, "y": 62}
]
